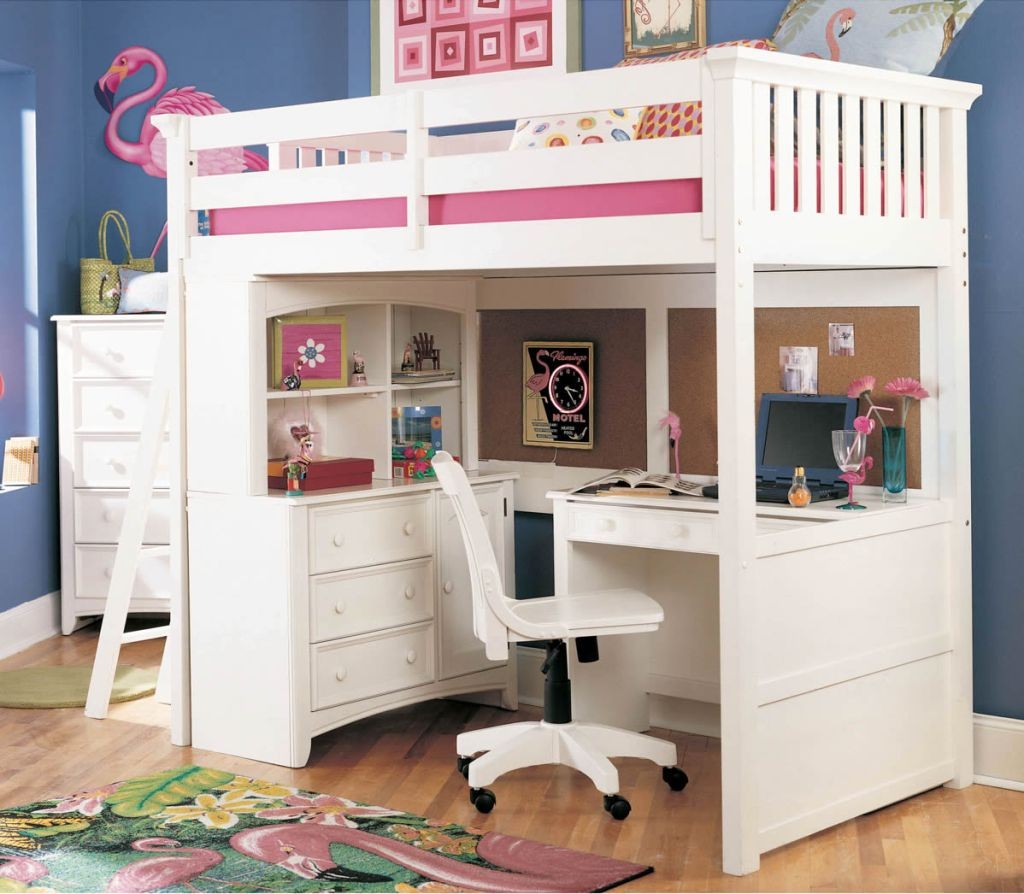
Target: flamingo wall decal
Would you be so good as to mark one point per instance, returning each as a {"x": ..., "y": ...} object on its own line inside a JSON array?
[
  {"x": 150, "y": 152},
  {"x": 174, "y": 866},
  {"x": 844, "y": 18}
]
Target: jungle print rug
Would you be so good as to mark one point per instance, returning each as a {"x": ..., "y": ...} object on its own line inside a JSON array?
[{"x": 199, "y": 829}]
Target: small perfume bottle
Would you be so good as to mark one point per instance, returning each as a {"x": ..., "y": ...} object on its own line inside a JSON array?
[{"x": 799, "y": 494}]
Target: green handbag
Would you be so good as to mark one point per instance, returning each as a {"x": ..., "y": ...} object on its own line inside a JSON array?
[{"x": 100, "y": 280}]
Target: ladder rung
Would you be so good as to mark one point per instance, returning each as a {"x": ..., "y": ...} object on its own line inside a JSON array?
[
  {"x": 156, "y": 551},
  {"x": 138, "y": 636}
]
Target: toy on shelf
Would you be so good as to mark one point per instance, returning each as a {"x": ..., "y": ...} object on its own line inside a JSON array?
[
  {"x": 358, "y": 370},
  {"x": 295, "y": 466},
  {"x": 425, "y": 350},
  {"x": 293, "y": 381},
  {"x": 413, "y": 460},
  {"x": 407, "y": 364}
]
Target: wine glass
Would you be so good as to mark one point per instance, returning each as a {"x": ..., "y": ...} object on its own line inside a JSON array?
[{"x": 848, "y": 447}]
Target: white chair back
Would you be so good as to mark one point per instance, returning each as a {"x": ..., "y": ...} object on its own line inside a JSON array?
[{"x": 490, "y": 614}]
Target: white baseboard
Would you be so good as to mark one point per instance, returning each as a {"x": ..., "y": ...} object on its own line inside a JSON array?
[
  {"x": 29, "y": 623},
  {"x": 999, "y": 751}
]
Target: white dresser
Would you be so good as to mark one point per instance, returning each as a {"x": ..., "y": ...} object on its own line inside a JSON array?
[{"x": 104, "y": 367}]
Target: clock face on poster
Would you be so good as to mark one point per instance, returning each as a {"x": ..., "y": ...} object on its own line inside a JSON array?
[{"x": 558, "y": 392}]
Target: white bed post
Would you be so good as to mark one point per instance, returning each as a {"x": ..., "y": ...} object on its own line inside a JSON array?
[
  {"x": 181, "y": 168},
  {"x": 954, "y": 428},
  {"x": 733, "y": 114}
]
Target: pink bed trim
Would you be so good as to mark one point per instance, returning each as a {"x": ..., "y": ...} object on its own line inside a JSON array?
[{"x": 550, "y": 203}]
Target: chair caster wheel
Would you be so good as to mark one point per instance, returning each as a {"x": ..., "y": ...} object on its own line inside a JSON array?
[
  {"x": 482, "y": 798},
  {"x": 675, "y": 778},
  {"x": 463, "y": 765},
  {"x": 617, "y": 806}
]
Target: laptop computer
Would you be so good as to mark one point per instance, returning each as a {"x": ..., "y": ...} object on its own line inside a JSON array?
[{"x": 796, "y": 430}]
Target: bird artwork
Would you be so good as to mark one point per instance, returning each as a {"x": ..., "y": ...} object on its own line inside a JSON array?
[
  {"x": 150, "y": 152},
  {"x": 844, "y": 19},
  {"x": 675, "y": 433},
  {"x": 173, "y": 866},
  {"x": 539, "y": 381}
]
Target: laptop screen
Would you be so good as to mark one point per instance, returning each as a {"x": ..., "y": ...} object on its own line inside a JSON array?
[{"x": 796, "y": 430}]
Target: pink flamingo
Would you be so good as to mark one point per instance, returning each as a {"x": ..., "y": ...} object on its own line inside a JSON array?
[
  {"x": 539, "y": 381},
  {"x": 844, "y": 17},
  {"x": 22, "y": 869},
  {"x": 675, "y": 433},
  {"x": 175, "y": 866},
  {"x": 527, "y": 866},
  {"x": 150, "y": 153}
]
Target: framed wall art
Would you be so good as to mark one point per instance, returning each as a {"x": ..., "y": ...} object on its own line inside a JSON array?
[
  {"x": 316, "y": 344},
  {"x": 664, "y": 26},
  {"x": 429, "y": 43},
  {"x": 558, "y": 394}
]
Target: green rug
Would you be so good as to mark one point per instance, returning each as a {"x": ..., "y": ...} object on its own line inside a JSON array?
[
  {"x": 66, "y": 687},
  {"x": 199, "y": 829}
]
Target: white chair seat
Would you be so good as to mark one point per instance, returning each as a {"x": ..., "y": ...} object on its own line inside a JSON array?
[{"x": 590, "y": 613}]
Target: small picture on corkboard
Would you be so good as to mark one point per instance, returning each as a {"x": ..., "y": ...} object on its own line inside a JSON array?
[
  {"x": 798, "y": 369},
  {"x": 840, "y": 339},
  {"x": 558, "y": 388}
]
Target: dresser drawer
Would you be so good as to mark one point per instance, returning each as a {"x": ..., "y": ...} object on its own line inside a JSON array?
[
  {"x": 372, "y": 665},
  {"x": 652, "y": 528},
  {"x": 114, "y": 350},
  {"x": 358, "y": 535},
  {"x": 352, "y": 602},
  {"x": 99, "y": 514},
  {"x": 107, "y": 460},
  {"x": 110, "y": 404},
  {"x": 94, "y": 565}
]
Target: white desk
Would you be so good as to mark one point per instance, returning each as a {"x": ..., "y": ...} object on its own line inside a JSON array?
[{"x": 846, "y": 672}]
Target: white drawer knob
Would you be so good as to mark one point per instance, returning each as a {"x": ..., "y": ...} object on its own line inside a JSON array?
[
  {"x": 410, "y": 656},
  {"x": 341, "y": 673},
  {"x": 678, "y": 530},
  {"x": 409, "y": 529},
  {"x": 339, "y": 607},
  {"x": 410, "y": 591},
  {"x": 108, "y": 515},
  {"x": 448, "y": 586},
  {"x": 338, "y": 539},
  {"x": 606, "y": 524},
  {"x": 107, "y": 572}
]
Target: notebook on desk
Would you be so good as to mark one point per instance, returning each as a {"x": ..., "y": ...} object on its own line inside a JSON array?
[{"x": 796, "y": 430}]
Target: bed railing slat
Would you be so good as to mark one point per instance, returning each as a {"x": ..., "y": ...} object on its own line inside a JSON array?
[
  {"x": 807, "y": 150},
  {"x": 417, "y": 149},
  {"x": 852, "y": 162},
  {"x": 872, "y": 158},
  {"x": 932, "y": 199},
  {"x": 784, "y": 149},
  {"x": 762, "y": 147},
  {"x": 912, "y": 161},
  {"x": 893, "y": 144},
  {"x": 829, "y": 153}
]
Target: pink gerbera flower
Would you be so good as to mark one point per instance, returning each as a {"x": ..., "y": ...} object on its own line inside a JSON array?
[
  {"x": 904, "y": 386},
  {"x": 860, "y": 387}
]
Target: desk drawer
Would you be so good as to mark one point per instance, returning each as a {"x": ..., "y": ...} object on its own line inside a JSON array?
[
  {"x": 115, "y": 350},
  {"x": 359, "y": 535},
  {"x": 352, "y": 602},
  {"x": 100, "y": 513},
  {"x": 107, "y": 460},
  {"x": 348, "y": 670},
  {"x": 652, "y": 528}
]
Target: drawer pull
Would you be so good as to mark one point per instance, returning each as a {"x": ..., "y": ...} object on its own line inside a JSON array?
[
  {"x": 409, "y": 529},
  {"x": 115, "y": 356},
  {"x": 109, "y": 515},
  {"x": 448, "y": 586},
  {"x": 606, "y": 524},
  {"x": 338, "y": 539},
  {"x": 410, "y": 656},
  {"x": 339, "y": 607},
  {"x": 679, "y": 530},
  {"x": 341, "y": 673},
  {"x": 108, "y": 572},
  {"x": 410, "y": 591},
  {"x": 118, "y": 467},
  {"x": 116, "y": 412}
]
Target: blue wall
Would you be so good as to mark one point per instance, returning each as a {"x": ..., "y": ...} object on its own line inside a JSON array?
[{"x": 45, "y": 39}]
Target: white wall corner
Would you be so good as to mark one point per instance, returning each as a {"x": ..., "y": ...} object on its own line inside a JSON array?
[
  {"x": 999, "y": 751},
  {"x": 29, "y": 623}
]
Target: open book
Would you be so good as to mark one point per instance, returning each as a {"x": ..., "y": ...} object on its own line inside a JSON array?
[{"x": 640, "y": 483}]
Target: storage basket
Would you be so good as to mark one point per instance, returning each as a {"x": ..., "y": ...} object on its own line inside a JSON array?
[{"x": 100, "y": 279}]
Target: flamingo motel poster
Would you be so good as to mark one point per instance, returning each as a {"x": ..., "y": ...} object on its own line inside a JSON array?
[{"x": 558, "y": 394}]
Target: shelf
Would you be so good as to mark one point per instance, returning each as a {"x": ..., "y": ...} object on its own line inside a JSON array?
[
  {"x": 327, "y": 392},
  {"x": 418, "y": 386}
]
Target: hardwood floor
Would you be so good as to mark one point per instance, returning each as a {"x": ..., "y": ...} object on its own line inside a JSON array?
[{"x": 943, "y": 840}]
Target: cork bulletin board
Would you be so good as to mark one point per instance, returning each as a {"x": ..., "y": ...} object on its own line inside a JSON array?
[
  {"x": 620, "y": 403},
  {"x": 887, "y": 345}
]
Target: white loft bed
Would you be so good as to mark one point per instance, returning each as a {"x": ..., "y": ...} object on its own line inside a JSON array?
[{"x": 898, "y": 141}]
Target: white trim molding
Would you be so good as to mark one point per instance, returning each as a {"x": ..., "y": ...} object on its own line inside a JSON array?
[
  {"x": 999, "y": 751},
  {"x": 29, "y": 623}
]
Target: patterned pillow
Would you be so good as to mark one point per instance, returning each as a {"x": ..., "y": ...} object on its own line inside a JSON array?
[
  {"x": 894, "y": 34},
  {"x": 610, "y": 125},
  {"x": 680, "y": 119}
]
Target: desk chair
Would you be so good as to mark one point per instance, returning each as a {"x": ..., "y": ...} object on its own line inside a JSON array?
[{"x": 498, "y": 621}]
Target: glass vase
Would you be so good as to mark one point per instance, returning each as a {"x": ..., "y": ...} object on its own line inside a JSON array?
[{"x": 894, "y": 464}]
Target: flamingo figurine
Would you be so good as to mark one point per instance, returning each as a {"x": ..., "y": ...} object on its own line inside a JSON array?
[
  {"x": 539, "y": 381},
  {"x": 175, "y": 866},
  {"x": 844, "y": 18},
  {"x": 150, "y": 153},
  {"x": 675, "y": 433}
]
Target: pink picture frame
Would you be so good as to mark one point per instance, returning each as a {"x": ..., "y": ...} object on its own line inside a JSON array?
[{"x": 319, "y": 343}]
